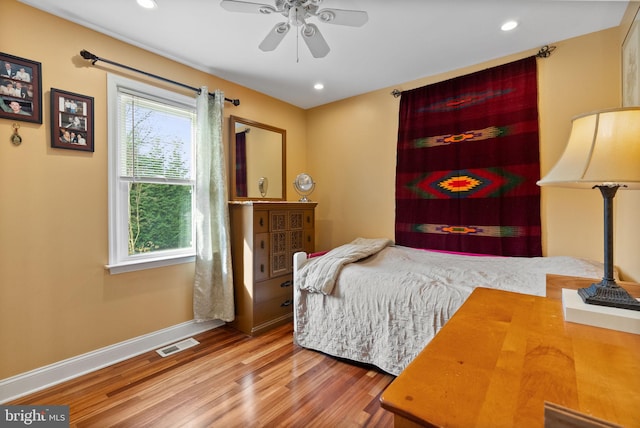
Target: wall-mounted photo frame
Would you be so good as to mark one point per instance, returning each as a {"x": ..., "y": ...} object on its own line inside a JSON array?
[
  {"x": 71, "y": 121},
  {"x": 20, "y": 89},
  {"x": 631, "y": 65}
]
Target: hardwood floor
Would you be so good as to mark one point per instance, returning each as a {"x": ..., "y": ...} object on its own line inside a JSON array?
[{"x": 228, "y": 380}]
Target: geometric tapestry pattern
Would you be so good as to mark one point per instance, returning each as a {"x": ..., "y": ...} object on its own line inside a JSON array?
[{"x": 465, "y": 183}]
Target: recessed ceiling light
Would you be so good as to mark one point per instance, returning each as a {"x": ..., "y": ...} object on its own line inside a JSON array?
[
  {"x": 147, "y": 4},
  {"x": 509, "y": 25},
  {"x": 318, "y": 86}
]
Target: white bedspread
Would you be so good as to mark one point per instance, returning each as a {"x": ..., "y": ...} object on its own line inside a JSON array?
[{"x": 384, "y": 309}]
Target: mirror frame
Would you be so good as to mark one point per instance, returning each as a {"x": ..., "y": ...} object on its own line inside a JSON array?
[{"x": 233, "y": 120}]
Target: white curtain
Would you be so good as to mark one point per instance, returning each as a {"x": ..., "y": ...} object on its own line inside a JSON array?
[{"x": 213, "y": 286}]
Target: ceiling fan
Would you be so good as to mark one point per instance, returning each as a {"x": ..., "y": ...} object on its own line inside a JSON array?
[{"x": 297, "y": 12}]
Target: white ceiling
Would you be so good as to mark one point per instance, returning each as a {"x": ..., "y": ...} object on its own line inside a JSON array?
[{"x": 404, "y": 40}]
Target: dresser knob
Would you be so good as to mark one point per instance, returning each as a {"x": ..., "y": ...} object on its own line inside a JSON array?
[
  {"x": 285, "y": 284},
  {"x": 286, "y": 303},
  {"x": 262, "y": 268},
  {"x": 262, "y": 245},
  {"x": 261, "y": 221}
]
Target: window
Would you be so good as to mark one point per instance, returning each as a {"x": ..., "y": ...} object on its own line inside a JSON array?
[{"x": 151, "y": 176}]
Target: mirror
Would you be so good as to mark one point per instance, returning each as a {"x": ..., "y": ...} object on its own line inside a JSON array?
[{"x": 258, "y": 159}]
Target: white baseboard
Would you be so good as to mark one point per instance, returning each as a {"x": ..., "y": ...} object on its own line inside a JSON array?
[{"x": 44, "y": 377}]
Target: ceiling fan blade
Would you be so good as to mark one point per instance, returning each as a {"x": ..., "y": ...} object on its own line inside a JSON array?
[
  {"x": 274, "y": 37},
  {"x": 314, "y": 40},
  {"x": 247, "y": 7},
  {"x": 352, "y": 18}
]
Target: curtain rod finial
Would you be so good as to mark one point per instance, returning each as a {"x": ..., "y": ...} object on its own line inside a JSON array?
[
  {"x": 545, "y": 51},
  {"x": 88, "y": 55}
]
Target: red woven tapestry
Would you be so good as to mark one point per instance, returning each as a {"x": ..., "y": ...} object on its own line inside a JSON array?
[{"x": 468, "y": 162}]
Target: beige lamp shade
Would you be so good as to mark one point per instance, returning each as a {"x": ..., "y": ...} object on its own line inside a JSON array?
[{"x": 603, "y": 149}]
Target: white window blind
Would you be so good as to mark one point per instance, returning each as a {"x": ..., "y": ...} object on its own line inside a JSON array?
[{"x": 148, "y": 153}]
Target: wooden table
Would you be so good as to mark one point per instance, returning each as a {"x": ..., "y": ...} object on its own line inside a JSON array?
[{"x": 502, "y": 355}]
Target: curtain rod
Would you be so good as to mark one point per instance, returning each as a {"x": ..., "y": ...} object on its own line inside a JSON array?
[
  {"x": 94, "y": 58},
  {"x": 544, "y": 52}
]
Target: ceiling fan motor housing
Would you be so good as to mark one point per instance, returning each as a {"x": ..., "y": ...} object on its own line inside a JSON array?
[{"x": 297, "y": 15}]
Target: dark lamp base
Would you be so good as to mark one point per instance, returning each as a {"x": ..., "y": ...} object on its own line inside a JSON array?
[{"x": 607, "y": 294}]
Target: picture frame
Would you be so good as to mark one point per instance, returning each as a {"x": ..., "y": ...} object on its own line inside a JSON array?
[
  {"x": 20, "y": 89},
  {"x": 631, "y": 65},
  {"x": 71, "y": 121}
]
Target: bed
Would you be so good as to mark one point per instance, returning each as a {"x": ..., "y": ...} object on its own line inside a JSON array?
[{"x": 376, "y": 303}]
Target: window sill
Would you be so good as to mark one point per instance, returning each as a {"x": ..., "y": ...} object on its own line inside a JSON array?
[{"x": 148, "y": 264}]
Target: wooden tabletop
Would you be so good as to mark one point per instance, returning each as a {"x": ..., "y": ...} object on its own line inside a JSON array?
[{"x": 502, "y": 355}]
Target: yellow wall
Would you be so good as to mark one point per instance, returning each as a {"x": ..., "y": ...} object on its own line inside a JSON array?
[
  {"x": 56, "y": 298},
  {"x": 352, "y": 154}
]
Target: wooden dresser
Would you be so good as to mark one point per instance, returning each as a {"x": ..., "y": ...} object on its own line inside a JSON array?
[{"x": 264, "y": 237}]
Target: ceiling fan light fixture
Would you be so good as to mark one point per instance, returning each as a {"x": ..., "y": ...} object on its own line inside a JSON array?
[
  {"x": 297, "y": 16},
  {"x": 318, "y": 86}
]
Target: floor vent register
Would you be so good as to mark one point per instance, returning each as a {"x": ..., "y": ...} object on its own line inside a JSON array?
[{"x": 177, "y": 347}]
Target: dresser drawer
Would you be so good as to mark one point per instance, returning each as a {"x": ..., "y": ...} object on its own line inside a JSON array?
[
  {"x": 309, "y": 241},
  {"x": 272, "y": 309},
  {"x": 261, "y": 257},
  {"x": 308, "y": 218},
  {"x": 276, "y": 287},
  {"x": 260, "y": 221}
]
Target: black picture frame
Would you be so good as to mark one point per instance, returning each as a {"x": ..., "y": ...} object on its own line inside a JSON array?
[
  {"x": 71, "y": 121},
  {"x": 20, "y": 89}
]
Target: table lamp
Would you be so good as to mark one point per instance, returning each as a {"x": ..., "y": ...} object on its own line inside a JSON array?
[{"x": 603, "y": 152}]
